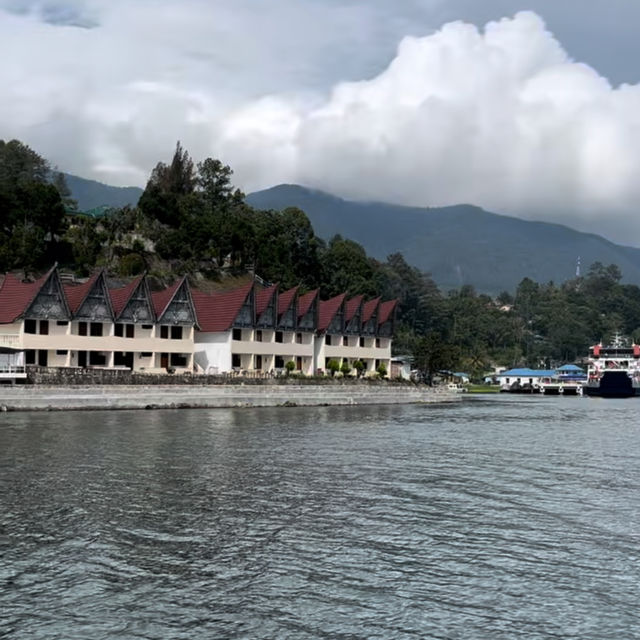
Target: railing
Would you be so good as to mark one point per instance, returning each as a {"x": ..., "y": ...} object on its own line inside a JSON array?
[{"x": 10, "y": 340}]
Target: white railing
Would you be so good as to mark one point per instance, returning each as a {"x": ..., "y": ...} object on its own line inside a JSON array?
[{"x": 10, "y": 340}]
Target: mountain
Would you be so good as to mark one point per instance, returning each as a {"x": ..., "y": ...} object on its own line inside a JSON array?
[
  {"x": 458, "y": 245},
  {"x": 92, "y": 195}
]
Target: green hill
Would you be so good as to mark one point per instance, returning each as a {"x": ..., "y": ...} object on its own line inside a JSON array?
[
  {"x": 91, "y": 194},
  {"x": 458, "y": 245}
]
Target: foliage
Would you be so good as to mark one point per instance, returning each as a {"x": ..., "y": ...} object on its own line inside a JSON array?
[
  {"x": 345, "y": 368},
  {"x": 290, "y": 366},
  {"x": 382, "y": 370},
  {"x": 359, "y": 366},
  {"x": 333, "y": 366}
]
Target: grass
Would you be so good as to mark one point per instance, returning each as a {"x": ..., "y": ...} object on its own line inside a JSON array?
[{"x": 482, "y": 388}]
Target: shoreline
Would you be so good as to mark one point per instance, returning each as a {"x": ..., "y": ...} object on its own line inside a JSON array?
[{"x": 101, "y": 397}]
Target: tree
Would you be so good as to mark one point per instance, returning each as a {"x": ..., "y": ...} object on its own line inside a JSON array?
[
  {"x": 290, "y": 367},
  {"x": 359, "y": 366},
  {"x": 432, "y": 354},
  {"x": 382, "y": 370},
  {"x": 333, "y": 366},
  {"x": 345, "y": 368}
]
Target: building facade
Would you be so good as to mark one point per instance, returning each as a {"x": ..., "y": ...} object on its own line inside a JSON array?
[{"x": 250, "y": 329}]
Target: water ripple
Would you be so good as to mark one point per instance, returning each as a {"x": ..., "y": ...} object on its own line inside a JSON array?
[{"x": 499, "y": 518}]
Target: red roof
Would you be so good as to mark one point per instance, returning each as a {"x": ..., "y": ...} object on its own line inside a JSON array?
[
  {"x": 76, "y": 294},
  {"x": 386, "y": 309},
  {"x": 351, "y": 307},
  {"x": 162, "y": 299},
  {"x": 327, "y": 311},
  {"x": 305, "y": 301},
  {"x": 217, "y": 311},
  {"x": 263, "y": 298},
  {"x": 369, "y": 308},
  {"x": 285, "y": 299},
  {"x": 16, "y": 296},
  {"x": 120, "y": 297}
]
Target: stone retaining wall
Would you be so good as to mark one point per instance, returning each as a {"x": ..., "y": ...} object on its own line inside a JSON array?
[{"x": 30, "y": 398}]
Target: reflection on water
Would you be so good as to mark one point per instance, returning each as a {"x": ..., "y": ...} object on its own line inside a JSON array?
[{"x": 500, "y": 518}]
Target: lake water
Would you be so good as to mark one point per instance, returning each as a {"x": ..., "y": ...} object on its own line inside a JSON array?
[{"x": 501, "y": 517}]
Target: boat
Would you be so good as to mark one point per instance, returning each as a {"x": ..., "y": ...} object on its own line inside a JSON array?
[{"x": 614, "y": 370}]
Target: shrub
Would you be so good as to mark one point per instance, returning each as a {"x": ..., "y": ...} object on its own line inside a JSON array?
[
  {"x": 345, "y": 368},
  {"x": 382, "y": 370},
  {"x": 333, "y": 366}
]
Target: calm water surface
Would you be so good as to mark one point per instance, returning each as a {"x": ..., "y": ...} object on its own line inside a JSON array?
[{"x": 503, "y": 517}]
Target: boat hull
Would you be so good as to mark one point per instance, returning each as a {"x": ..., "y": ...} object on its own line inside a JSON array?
[{"x": 614, "y": 384}]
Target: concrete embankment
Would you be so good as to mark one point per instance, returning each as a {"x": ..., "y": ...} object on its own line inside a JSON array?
[{"x": 40, "y": 398}]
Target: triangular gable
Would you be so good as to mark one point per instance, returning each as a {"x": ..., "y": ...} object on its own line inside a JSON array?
[
  {"x": 386, "y": 318},
  {"x": 308, "y": 311},
  {"x": 353, "y": 315},
  {"x": 370, "y": 317},
  {"x": 287, "y": 309},
  {"x": 16, "y": 296},
  {"x": 331, "y": 315},
  {"x": 246, "y": 316},
  {"x": 178, "y": 307},
  {"x": 133, "y": 303},
  {"x": 267, "y": 307},
  {"x": 95, "y": 304},
  {"x": 49, "y": 302}
]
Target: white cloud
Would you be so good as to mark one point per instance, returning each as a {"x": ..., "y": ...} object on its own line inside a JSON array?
[{"x": 499, "y": 117}]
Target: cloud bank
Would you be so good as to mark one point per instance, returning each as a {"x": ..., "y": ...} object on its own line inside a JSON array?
[{"x": 500, "y": 117}]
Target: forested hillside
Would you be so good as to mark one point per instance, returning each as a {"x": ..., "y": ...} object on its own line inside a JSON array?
[
  {"x": 190, "y": 219},
  {"x": 457, "y": 245}
]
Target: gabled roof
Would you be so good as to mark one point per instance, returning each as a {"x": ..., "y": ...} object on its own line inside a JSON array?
[
  {"x": 217, "y": 311},
  {"x": 369, "y": 309},
  {"x": 285, "y": 299},
  {"x": 263, "y": 298},
  {"x": 16, "y": 296},
  {"x": 305, "y": 301},
  {"x": 386, "y": 309},
  {"x": 120, "y": 297},
  {"x": 76, "y": 294},
  {"x": 328, "y": 309},
  {"x": 162, "y": 299},
  {"x": 351, "y": 307}
]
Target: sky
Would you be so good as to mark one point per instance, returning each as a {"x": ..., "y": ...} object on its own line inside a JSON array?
[{"x": 530, "y": 109}]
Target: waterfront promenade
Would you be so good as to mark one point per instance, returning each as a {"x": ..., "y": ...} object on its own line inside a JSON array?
[{"x": 51, "y": 398}]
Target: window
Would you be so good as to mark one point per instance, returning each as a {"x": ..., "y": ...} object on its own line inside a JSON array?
[
  {"x": 61, "y": 352},
  {"x": 279, "y": 336},
  {"x": 118, "y": 330},
  {"x": 298, "y": 338},
  {"x": 258, "y": 339},
  {"x": 97, "y": 358},
  {"x": 279, "y": 362},
  {"x": 30, "y": 356},
  {"x": 345, "y": 341},
  {"x": 362, "y": 342},
  {"x": 176, "y": 333},
  {"x": 82, "y": 328},
  {"x": 130, "y": 330},
  {"x": 62, "y": 323},
  {"x": 44, "y": 327},
  {"x": 178, "y": 360},
  {"x": 95, "y": 329},
  {"x": 30, "y": 327},
  {"x": 236, "y": 363},
  {"x": 237, "y": 334},
  {"x": 146, "y": 354},
  {"x": 377, "y": 343},
  {"x": 164, "y": 332},
  {"x": 147, "y": 326},
  {"x": 327, "y": 340}
]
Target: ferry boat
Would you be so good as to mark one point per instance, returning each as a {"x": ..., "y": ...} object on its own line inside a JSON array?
[{"x": 614, "y": 370}]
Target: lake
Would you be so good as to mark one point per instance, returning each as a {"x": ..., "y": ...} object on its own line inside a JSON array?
[{"x": 500, "y": 517}]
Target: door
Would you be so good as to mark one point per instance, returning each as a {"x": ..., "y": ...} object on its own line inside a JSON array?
[
  {"x": 82, "y": 358},
  {"x": 164, "y": 360},
  {"x": 43, "y": 358}
]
